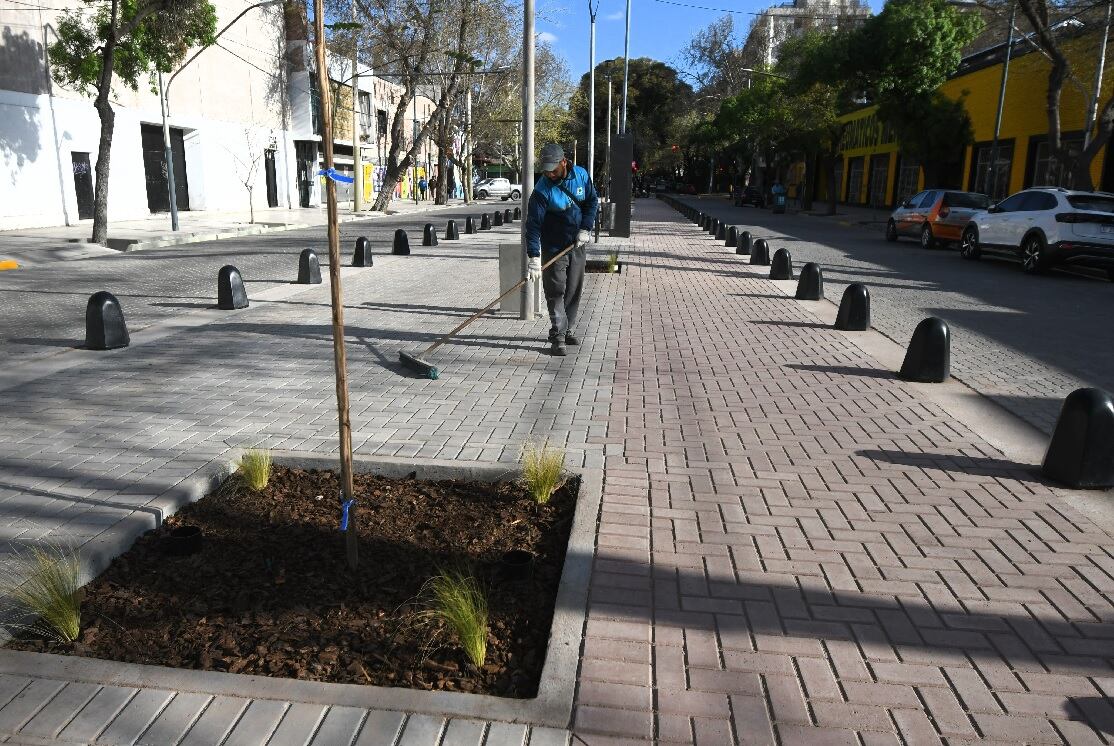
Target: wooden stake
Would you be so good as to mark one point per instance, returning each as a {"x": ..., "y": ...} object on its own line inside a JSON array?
[{"x": 340, "y": 363}]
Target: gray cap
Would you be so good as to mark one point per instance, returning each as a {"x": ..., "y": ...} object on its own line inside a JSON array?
[{"x": 552, "y": 154}]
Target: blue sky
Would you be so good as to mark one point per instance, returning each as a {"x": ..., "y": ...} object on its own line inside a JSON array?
[{"x": 658, "y": 30}]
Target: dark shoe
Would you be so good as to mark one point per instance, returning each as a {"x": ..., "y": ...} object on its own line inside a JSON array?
[
  {"x": 571, "y": 340},
  {"x": 558, "y": 350}
]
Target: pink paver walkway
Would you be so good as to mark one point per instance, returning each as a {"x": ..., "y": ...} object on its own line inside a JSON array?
[{"x": 794, "y": 549}]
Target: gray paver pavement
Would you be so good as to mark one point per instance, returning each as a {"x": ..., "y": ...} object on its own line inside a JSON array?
[{"x": 787, "y": 549}]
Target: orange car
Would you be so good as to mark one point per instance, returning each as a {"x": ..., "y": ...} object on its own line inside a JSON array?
[{"x": 935, "y": 216}]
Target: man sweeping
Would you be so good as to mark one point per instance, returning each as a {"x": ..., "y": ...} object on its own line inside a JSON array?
[{"x": 561, "y": 212}]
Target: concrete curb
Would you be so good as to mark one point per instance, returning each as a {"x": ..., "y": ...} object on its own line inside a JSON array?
[{"x": 552, "y": 707}]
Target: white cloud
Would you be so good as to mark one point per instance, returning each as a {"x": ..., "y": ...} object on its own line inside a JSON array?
[
  {"x": 547, "y": 37},
  {"x": 616, "y": 16}
]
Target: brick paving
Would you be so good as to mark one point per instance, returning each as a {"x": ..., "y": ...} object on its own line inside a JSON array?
[{"x": 787, "y": 551}]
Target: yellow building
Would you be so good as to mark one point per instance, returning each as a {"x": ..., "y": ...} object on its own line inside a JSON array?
[{"x": 873, "y": 171}]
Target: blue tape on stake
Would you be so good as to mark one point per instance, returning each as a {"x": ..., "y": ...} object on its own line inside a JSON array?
[
  {"x": 344, "y": 506},
  {"x": 332, "y": 174}
]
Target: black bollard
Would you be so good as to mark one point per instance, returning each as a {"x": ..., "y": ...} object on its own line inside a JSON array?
[
  {"x": 721, "y": 232},
  {"x": 1081, "y": 452},
  {"x": 231, "y": 293},
  {"x": 104, "y": 323},
  {"x": 854, "y": 309},
  {"x": 429, "y": 235},
  {"x": 928, "y": 359},
  {"x": 713, "y": 226},
  {"x": 362, "y": 256},
  {"x": 469, "y": 226},
  {"x": 744, "y": 244},
  {"x": 508, "y": 216},
  {"x": 811, "y": 284},
  {"x": 781, "y": 268},
  {"x": 451, "y": 233},
  {"x": 485, "y": 222},
  {"x": 732, "y": 237},
  {"x": 760, "y": 253},
  {"x": 702, "y": 221},
  {"x": 518, "y": 213},
  {"x": 402, "y": 243},
  {"x": 309, "y": 268},
  {"x": 496, "y": 218}
]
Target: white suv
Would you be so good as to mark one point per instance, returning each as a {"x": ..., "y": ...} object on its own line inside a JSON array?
[
  {"x": 498, "y": 188},
  {"x": 1046, "y": 226}
]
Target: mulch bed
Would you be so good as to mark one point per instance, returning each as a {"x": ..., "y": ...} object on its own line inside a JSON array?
[{"x": 270, "y": 594}]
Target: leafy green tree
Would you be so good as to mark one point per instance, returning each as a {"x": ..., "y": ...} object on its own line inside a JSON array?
[
  {"x": 933, "y": 130},
  {"x": 123, "y": 40}
]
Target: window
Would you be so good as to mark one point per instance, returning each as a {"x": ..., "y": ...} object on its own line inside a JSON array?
[
  {"x": 966, "y": 199},
  {"x": 986, "y": 171},
  {"x": 315, "y": 106},
  {"x": 365, "y": 111},
  {"x": 1047, "y": 173},
  {"x": 1094, "y": 203},
  {"x": 855, "y": 181},
  {"x": 1013, "y": 204},
  {"x": 1039, "y": 201},
  {"x": 879, "y": 170},
  {"x": 915, "y": 200},
  {"x": 381, "y": 122},
  {"x": 907, "y": 178},
  {"x": 928, "y": 200}
]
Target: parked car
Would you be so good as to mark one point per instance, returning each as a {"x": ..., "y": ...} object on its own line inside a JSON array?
[
  {"x": 752, "y": 196},
  {"x": 498, "y": 187},
  {"x": 935, "y": 216},
  {"x": 1045, "y": 227}
]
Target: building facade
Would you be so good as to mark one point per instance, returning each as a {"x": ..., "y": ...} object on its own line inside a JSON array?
[
  {"x": 777, "y": 23},
  {"x": 874, "y": 172}
]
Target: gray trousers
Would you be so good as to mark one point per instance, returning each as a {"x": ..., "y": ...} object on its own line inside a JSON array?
[{"x": 562, "y": 284}]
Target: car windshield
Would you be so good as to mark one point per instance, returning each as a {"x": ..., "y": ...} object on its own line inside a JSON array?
[
  {"x": 967, "y": 199},
  {"x": 1092, "y": 202}
]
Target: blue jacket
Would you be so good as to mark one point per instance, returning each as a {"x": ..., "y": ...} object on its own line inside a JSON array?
[{"x": 553, "y": 219}]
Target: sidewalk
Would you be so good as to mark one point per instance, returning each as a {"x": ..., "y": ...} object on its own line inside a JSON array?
[
  {"x": 793, "y": 546},
  {"x": 33, "y": 246}
]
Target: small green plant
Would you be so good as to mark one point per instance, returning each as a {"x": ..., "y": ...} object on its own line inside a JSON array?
[
  {"x": 543, "y": 470},
  {"x": 46, "y": 582},
  {"x": 613, "y": 261},
  {"x": 459, "y": 601},
  {"x": 255, "y": 468}
]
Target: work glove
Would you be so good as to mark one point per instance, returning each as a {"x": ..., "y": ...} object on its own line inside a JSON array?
[
  {"x": 534, "y": 268},
  {"x": 584, "y": 236}
]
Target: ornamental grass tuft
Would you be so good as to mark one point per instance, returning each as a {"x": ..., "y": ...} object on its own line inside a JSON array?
[
  {"x": 613, "y": 262},
  {"x": 46, "y": 583},
  {"x": 255, "y": 468},
  {"x": 459, "y": 601},
  {"x": 543, "y": 470}
]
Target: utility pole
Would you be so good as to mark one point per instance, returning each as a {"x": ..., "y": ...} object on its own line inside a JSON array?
[
  {"x": 592, "y": 92},
  {"x": 1092, "y": 106},
  {"x": 340, "y": 364},
  {"x": 527, "y": 313},
  {"x": 357, "y": 168},
  {"x": 992, "y": 176},
  {"x": 626, "y": 72},
  {"x": 607, "y": 156}
]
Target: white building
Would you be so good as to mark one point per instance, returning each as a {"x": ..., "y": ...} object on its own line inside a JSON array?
[
  {"x": 780, "y": 22},
  {"x": 242, "y": 111}
]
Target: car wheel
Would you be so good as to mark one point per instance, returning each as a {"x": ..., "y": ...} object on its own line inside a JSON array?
[
  {"x": 927, "y": 239},
  {"x": 482, "y": 194},
  {"x": 516, "y": 195},
  {"x": 891, "y": 231},
  {"x": 1034, "y": 254},
  {"x": 969, "y": 245}
]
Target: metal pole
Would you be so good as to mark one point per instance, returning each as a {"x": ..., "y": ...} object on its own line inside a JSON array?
[
  {"x": 626, "y": 71},
  {"x": 340, "y": 364},
  {"x": 607, "y": 156},
  {"x": 414, "y": 143},
  {"x": 468, "y": 144},
  {"x": 1092, "y": 106},
  {"x": 168, "y": 156},
  {"x": 527, "y": 313},
  {"x": 592, "y": 95},
  {"x": 357, "y": 169},
  {"x": 992, "y": 180}
]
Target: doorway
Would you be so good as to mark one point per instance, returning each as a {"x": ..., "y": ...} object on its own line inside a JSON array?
[
  {"x": 154, "y": 168},
  {"x": 272, "y": 178},
  {"x": 305, "y": 152},
  {"x": 83, "y": 185}
]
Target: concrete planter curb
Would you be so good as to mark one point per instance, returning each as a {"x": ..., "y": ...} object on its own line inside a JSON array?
[{"x": 552, "y": 707}]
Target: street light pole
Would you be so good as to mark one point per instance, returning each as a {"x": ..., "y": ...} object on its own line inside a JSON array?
[
  {"x": 592, "y": 92},
  {"x": 992, "y": 180},
  {"x": 357, "y": 169},
  {"x": 626, "y": 71},
  {"x": 1092, "y": 106},
  {"x": 607, "y": 156},
  {"x": 164, "y": 104}
]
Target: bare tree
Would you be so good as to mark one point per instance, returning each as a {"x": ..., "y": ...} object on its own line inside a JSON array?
[{"x": 247, "y": 164}]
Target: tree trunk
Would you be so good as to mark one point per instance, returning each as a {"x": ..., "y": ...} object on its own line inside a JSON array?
[
  {"x": 104, "y": 147},
  {"x": 442, "y": 161},
  {"x": 833, "y": 188}
]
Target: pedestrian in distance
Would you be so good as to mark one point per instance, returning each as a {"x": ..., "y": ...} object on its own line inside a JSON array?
[
  {"x": 423, "y": 185},
  {"x": 561, "y": 212}
]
